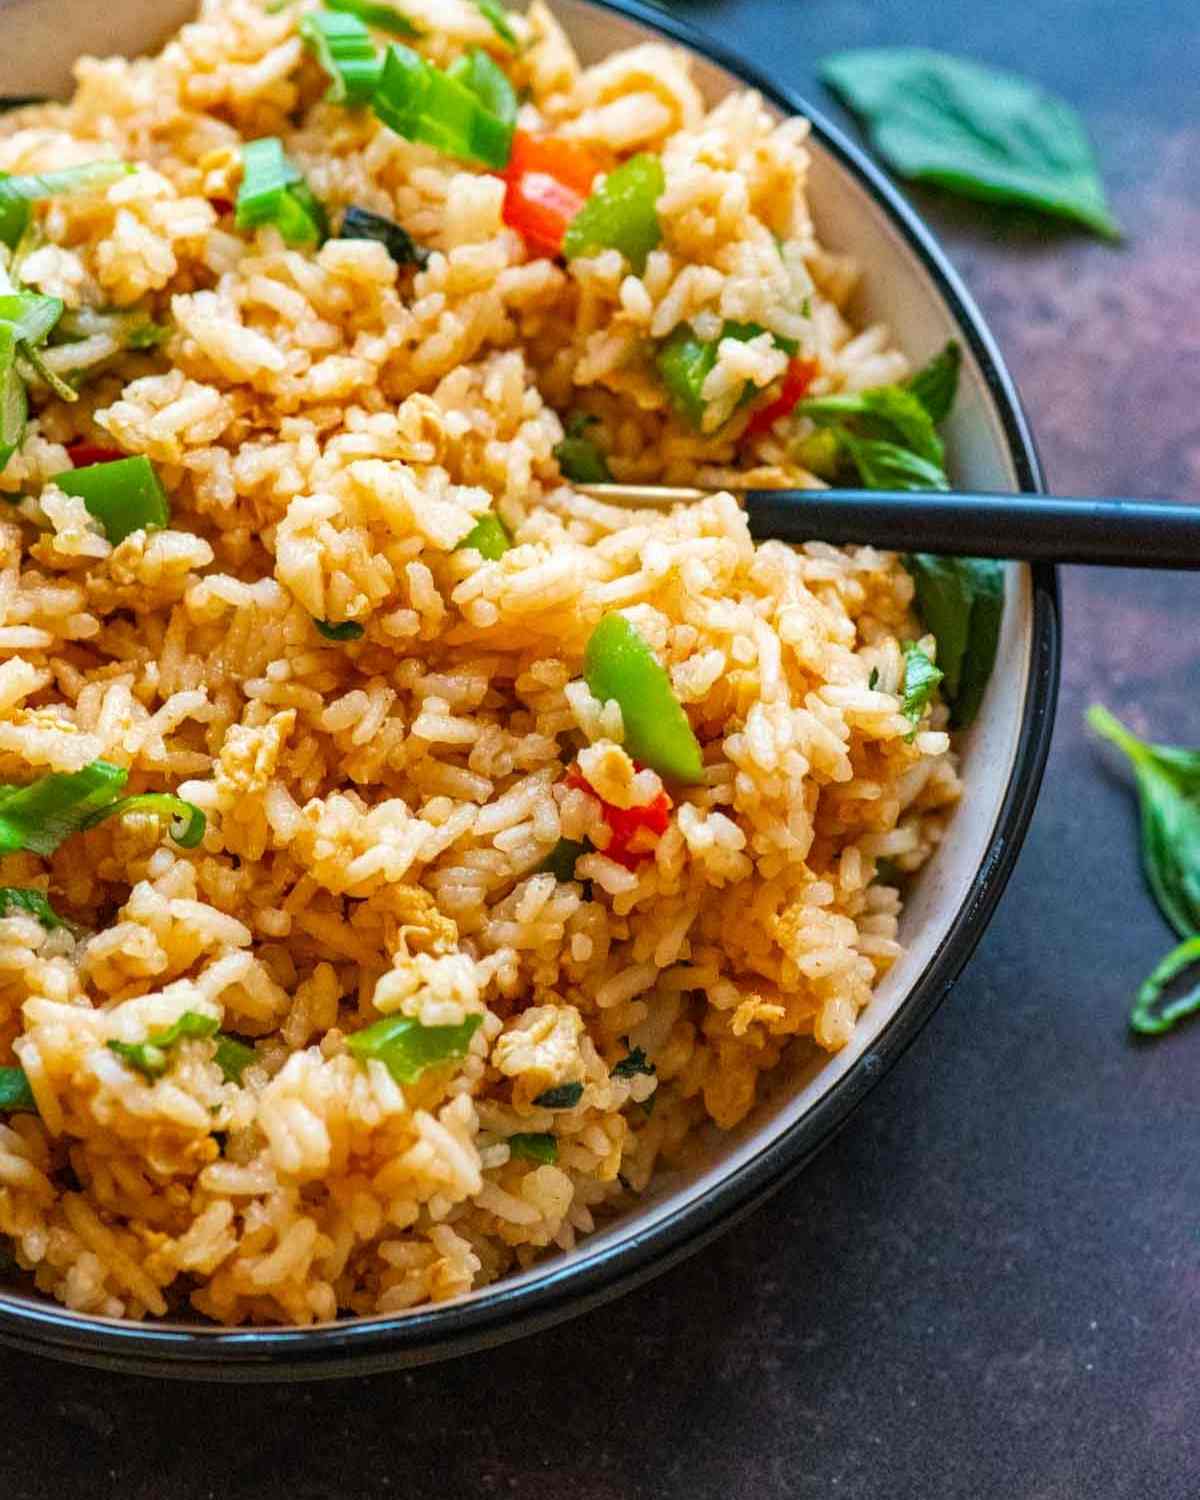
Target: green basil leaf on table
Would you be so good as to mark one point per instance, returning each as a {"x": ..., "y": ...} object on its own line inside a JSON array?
[
  {"x": 1151, "y": 1015},
  {"x": 976, "y": 131},
  {"x": 1168, "y": 785}
]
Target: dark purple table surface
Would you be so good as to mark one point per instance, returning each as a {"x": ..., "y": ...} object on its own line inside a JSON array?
[{"x": 989, "y": 1285}]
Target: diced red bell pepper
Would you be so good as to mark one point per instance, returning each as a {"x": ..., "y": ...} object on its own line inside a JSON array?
[
  {"x": 796, "y": 381},
  {"x": 549, "y": 180},
  {"x": 83, "y": 454},
  {"x": 626, "y": 822}
]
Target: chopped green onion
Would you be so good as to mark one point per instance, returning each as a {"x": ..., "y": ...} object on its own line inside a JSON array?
[
  {"x": 32, "y": 358},
  {"x": 232, "y": 1057},
  {"x": 1149, "y": 1017},
  {"x": 489, "y": 537},
  {"x": 361, "y": 224},
  {"x": 125, "y": 495},
  {"x": 38, "y": 817},
  {"x": 187, "y": 821},
  {"x": 407, "y": 1049},
  {"x": 273, "y": 191},
  {"x": 14, "y": 404},
  {"x": 18, "y": 192},
  {"x": 621, "y": 214},
  {"x": 633, "y": 1063},
  {"x": 534, "y": 1146},
  {"x": 347, "y": 630},
  {"x": 501, "y": 24},
  {"x": 619, "y": 665},
  {"x": 562, "y": 1096},
  {"x": 383, "y": 17},
  {"x": 476, "y": 71},
  {"x": 30, "y": 315},
  {"x": 560, "y": 862},
  {"x": 33, "y": 903},
  {"x": 423, "y": 104},
  {"x": 579, "y": 457},
  {"x": 150, "y": 1057},
  {"x": 131, "y": 329},
  {"x": 921, "y": 677},
  {"x": 686, "y": 361},
  {"x": 15, "y": 1094},
  {"x": 343, "y": 47}
]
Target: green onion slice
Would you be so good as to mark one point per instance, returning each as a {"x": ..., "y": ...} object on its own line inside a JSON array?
[
  {"x": 421, "y": 103},
  {"x": 233, "y": 1057},
  {"x": 621, "y": 214},
  {"x": 500, "y": 22},
  {"x": 476, "y": 71},
  {"x": 407, "y": 1048},
  {"x": 38, "y": 817},
  {"x": 18, "y": 192},
  {"x": 343, "y": 47},
  {"x": 14, "y": 404},
  {"x": 273, "y": 191},
  {"x": 187, "y": 822},
  {"x": 125, "y": 495},
  {"x": 382, "y": 17}
]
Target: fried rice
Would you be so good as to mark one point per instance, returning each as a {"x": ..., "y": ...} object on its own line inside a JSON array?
[{"x": 329, "y": 425}]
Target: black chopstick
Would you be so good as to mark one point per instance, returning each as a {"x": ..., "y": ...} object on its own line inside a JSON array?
[{"x": 1033, "y": 528}]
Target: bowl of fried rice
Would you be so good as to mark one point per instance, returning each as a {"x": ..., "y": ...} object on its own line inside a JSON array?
[{"x": 434, "y": 899}]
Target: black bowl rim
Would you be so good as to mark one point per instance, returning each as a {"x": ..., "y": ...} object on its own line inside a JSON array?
[{"x": 510, "y": 1310}]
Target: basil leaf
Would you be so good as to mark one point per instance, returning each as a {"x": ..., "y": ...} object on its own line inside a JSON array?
[
  {"x": 960, "y": 601},
  {"x": 633, "y": 1063},
  {"x": 346, "y": 630},
  {"x": 935, "y": 385},
  {"x": 14, "y": 404},
  {"x": 150, "y": 1057},
  {"x": 888, "y": 413},
  {"x": 15, "y": 1094},
  {"x": 33, "y": 903},
  {"x": 560, "y": 862},
  {"x": 407, "y": 1048},
  {"x": 975, "y": 131},
  {"x": 886, "y": 466},
  {"x": 361, "y": 224},
  {"x": 1148, "y": 1016},
  {"x": 1168, "y": 784},
  {"x": 921, "y": 677},
  {"x": 563, "y": 1096},
  {"x": 534, "y": 1146}
]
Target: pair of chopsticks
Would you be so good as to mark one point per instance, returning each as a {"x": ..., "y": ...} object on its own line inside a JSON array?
[{"x": 1031, "y": 528}]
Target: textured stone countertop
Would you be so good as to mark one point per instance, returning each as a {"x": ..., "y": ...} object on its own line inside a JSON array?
[{"x": 989, "y": 1285}]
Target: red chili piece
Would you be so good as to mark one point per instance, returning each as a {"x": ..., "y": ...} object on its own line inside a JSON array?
[
  {"x": 800, "y": 375},
  {"x": 83, "y": 454},
  {"x": 626, "y": 822},
  {"x": 548, "y": 183},
  {"x": 222, "y": 205}
]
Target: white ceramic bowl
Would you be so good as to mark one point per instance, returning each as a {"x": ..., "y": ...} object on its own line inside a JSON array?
[{"x": 908, "y": 284}]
